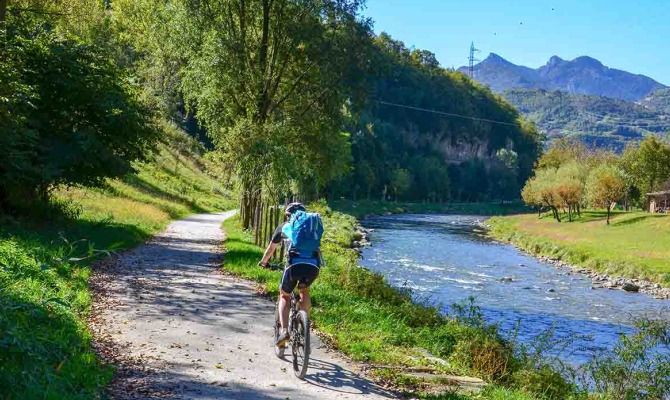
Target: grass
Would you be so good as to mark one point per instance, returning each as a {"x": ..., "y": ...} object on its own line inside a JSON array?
[
  {"x": 45, "y": 346},
  {"x": 635, "y": 245},
  {"x": 362, "y": 208},
  {"x": 361, "y": 315}
]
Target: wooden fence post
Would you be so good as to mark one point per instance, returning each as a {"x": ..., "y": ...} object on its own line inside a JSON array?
[{"x": 256, "y": 218}]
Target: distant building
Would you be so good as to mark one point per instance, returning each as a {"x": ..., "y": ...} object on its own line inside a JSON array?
[{"x": 659, "y": 202}]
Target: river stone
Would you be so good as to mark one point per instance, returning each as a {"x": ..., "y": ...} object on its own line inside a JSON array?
[
  {"x": 630, "y": 287},
  {"x": 506, "y": 279}
]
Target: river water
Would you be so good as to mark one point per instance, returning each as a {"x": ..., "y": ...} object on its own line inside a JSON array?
[{"x": 445, "y": 259}]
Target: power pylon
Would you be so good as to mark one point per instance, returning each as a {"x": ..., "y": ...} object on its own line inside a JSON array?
[{"x": 472, "y": 60}]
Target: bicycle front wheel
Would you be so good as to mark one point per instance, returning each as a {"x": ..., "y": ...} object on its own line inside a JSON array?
[{"x": 300, "y": 344}]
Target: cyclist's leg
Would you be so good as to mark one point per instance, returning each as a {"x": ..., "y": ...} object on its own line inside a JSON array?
[
  {"x": 305, "y": 302},
  {"x": 287, "y": 285},
  {"x": 284, "y": 303}
]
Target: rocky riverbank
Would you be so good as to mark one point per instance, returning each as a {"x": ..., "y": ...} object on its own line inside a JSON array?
[
  {"x": 604, "y": 281},
  {"x": 361, "y": 238}
]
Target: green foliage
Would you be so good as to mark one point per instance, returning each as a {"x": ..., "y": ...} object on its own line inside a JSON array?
[
  {"x": 605, "y": 185},
  {"x": 401, "y": 181},
  {"x": 544, "y": 382},
  {"x": 270, "y": 83},
  {"x": 447, "y": 157},
  {"x": 647, "y": 165},
  {"x": 637, "y": 368},
  {"x": 69, "y": 115}
]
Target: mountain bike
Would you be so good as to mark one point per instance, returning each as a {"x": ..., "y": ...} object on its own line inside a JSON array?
[{"x": 298, "y": 328}]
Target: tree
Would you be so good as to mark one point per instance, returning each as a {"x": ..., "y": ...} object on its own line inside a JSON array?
[
  {"x": 401, "y": 181},
  {"x": 605, "y": 186},
  {"x": 69, "y": 114},
  {"x": 570, "y": 187},
  {"x": 561, "y": 152},
  {"x": 473, "y": 160},
  {"x": 269, "y": 80},
  {"x": 647, "y": 166}
]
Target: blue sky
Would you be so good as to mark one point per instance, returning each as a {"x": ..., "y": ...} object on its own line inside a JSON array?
[{"x": 629, "y": 35}]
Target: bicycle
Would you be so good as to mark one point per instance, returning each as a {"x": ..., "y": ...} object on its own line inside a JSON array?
[{"x": 298, "y": 328}]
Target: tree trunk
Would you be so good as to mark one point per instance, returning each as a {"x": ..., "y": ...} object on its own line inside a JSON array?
[
  {"x": 569, "y": 213},
  {"x": 263, "y": 100},
  {"x": 3, "y": 9},
  {"x": 608, "y": 215}
]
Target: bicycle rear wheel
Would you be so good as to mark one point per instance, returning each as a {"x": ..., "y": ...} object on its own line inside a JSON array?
[
  {"x": 300, "y": 344},
  {"x": 279, "y": 351}
]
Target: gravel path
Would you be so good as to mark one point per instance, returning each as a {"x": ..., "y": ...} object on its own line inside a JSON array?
[{"x": 178, "y": 328}]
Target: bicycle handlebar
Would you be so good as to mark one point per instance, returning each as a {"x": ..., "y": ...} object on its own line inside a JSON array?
[{"x": 275, "y": 266}]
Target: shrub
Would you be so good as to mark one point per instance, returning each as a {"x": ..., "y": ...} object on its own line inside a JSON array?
[
  {"x": 544, "y": 383},
  {"x": 637, "y": 368},
  {"x": 485, "y": 355},
  {"x": 68, "y": 115}
]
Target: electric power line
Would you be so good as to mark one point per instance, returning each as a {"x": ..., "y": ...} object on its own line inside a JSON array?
[{"x": 446, "y": 114}]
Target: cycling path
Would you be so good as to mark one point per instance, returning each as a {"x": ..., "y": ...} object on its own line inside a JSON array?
[{"x": 177, "y": 327}]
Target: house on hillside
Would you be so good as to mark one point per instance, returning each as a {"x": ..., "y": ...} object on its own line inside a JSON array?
[{"x": 659, "y": 202}]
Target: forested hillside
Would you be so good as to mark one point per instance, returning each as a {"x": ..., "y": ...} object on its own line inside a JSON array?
[
  {"x": 402, "y": 150},
  {"x": 597, "y": 121},
  {"x": 658, "y": 101}
]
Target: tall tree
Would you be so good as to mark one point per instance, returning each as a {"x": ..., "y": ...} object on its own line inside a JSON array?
[
  {"x": 647, "y": 165},
  {"x": 270, "y": 79}
]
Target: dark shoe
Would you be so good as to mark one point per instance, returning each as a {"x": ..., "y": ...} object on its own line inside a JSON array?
[{"x": 282, "y": 340}]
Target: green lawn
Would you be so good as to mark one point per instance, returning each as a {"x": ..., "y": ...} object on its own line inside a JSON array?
[
  {"x": 45, "y": 350},
  {"x": 635, "y": 244}
]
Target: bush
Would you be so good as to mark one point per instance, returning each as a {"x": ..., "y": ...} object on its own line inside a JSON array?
[
  {"x": 545, "y": 383},
  {"x": 68, "y": 115},
  {"x": 485, "y": 355},
  {"x": 637, "y": 368}
]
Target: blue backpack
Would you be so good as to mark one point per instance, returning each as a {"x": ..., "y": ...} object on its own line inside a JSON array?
[{"x": 304, "y": 230}]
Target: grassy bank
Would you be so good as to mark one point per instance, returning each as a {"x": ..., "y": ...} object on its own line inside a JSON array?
[
  {"x": 635, "y": 245},
  {"x": 360, "y": 314},
  {"x": 362, "y": 208},
  {"x": 45, "y": 348}
]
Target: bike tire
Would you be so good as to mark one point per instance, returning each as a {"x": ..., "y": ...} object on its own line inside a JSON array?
[
  {"x": 279, "y": 351},
  {"x": 300, "y": 344}
]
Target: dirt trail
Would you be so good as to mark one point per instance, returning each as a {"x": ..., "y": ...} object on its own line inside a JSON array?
[{"x": 180, "y": 329}]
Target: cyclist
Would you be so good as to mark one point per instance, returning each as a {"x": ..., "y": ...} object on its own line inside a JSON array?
[{"x": 301, "y": 270}]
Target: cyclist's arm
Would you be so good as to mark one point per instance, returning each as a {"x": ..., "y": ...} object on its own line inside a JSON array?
[
  {"x": 272, "y": 246},
  {"x": 269, "y": 251}
]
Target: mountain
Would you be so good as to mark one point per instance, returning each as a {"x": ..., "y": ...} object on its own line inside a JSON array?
[
  {"x": 583, "y": 75},
  {"x": 598, "y": 121}
]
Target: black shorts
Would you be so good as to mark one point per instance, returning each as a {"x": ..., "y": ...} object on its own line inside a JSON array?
[{"x": 304, "y": 274}]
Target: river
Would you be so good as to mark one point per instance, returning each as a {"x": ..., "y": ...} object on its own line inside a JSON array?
[{"x": 445, "y": 259}]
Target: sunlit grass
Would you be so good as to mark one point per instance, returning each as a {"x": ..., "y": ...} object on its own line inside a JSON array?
[{"x": 636, "y": 244}]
